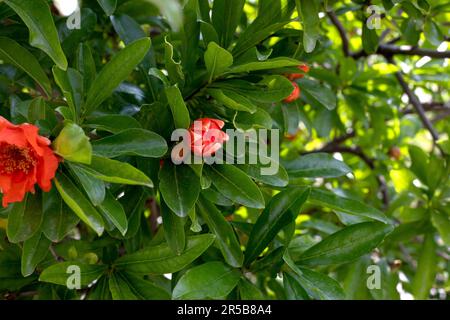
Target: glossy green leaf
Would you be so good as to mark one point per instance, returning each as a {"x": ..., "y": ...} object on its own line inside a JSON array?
[
  {"x": 225, "y": 18},
  {"x": 233, "y": 100},
  {"x": 71, "y": 84},
  {"x": 179, "y": 110},
  {"x": 58, "y": 220},
  {"x": 265, "y": 65},
  {"x": 441, "y": 222},
  {"x": 225, "y": 236},
  {"x": 309, "y": 12},
  {"x": 161, "y": 259},
  {"x": 76, "y": 201},
  {"x": 116, "y": 172},
  {"x": 235, "y": 185},
  {"x": 173, "y": 229},
  {"x": 24, "y": 218},
  {"x": 316, "y": 165},
  {"x": 94, "y": 188},
  {"x": 115, "y": 71},
  {"x": 180, "y": 187},
  {"x": 174, "y": 68},
  {"x": 109, "y": 6},
  {"x": 72, "y": 144},
  {"x": 132, "y": 286},
  {"x": 61, "y": 273},
  {"x": 113, "y": 123},
  {"x": 85, "y": 65},
  {"x": 347, "y": 205},
  {"x": 113, "y": 211},
  {"x": 318, "y": 94},
  {"x": 217, "y": 60},
  {"x": 133, "y": 142},
  {"x": 13, "y": 53},
  {"x": 33, "y": 252},
  {"x": 318, "y": 285},
  {"x": 347, "y": 244},
  {"x": 210, "y": 280},
  {"x": 43, "y": 35},
  {"x": 282, "y": 210},
  {"x": 426, "y": 269}
]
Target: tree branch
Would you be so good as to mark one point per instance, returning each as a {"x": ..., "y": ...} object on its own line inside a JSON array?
[
  {"x": 345, "y": 42},
  {"x": 387, "y": 49},
  {"x": 415, "y": 103}
]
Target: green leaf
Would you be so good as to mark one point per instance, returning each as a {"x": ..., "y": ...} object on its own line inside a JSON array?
[
  {"x": 309, "y": 12},
  {"x": 171, "y": 9},
  {"x": 132, "y": 286},
  {"x": 347, "y": 244},
  {"x": 441, "y": 222},
  {"x": 347, "y": 205},
  {"x": 292, "y": 287},
  {"x": 94, "y": 188},
  {"x": 419, "y": 163},
  {"x": 72, "y": 144},
  {"x": 34, "y": 251},
  {"x": 37, "y": 110},
  {"x": 109, "y": 6},
  {"x": 248, "y": 291},
  {"x": 71, "y": 84},
  {"x": 370, "y": 39},
  {"x": 180, "y": 187},
  {"x": 272, "y": 16},
  {"x": 225, "y": 236},
  {"x": 318, "y": 285},
  {"x": 279, "y": 179},
  {"x": 424, "y": 276},
  {"x": 161, "y": 259},
  {"x": 173, "y": 229},
  {"x": 225, "y": 18},
  {"x": 217, "y": 60},
  {"x": 233, "y": 100},
  {"x": 116, "y": 172},
  {"x": 13, "y": 53},
  {"x": 60, "y": 273},
  {"x": 282, "y": 210},
  {"x": 43, "y": 35},
  {"x": 213, "y": 280},
  {"x": 179, "y": 110},
  {"x": 116, "y": 71},
  {"x": 58, "y": 218},
  {"x": 315, "y": 93},
  {"x": 209, "y": 34},
  {"x": 316, "y": 165},
  {"x": 174, "y": 68},
  {"x": 119, "y": 288},
  {"x": 133, "y": 142},
  {"x": 113, "y": 123},
  {"x": 114, "y": 212},
  {"x": 259, "y": 119},
  {"x": 24, "y": 218},
  {"x": 85, "y": 65},
  {"x": 235, "y": 185},
  {"x": 76, "y": 201},
  {"x": 275, "y": 63}
]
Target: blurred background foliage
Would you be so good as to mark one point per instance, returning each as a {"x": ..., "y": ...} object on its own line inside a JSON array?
[{"x": 376, "y": 98}]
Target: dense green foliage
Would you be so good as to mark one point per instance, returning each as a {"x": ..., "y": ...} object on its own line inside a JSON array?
[{"x": 360, "y": 205}]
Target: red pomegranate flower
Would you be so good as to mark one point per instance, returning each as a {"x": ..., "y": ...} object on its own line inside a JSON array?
[
  {"x": 294, "y": 95},
  {"x": 206, "y": 136},
  {"x": 302, "y": 67},
  {"x": 25, "y": 159}
]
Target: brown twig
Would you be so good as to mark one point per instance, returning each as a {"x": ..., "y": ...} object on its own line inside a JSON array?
[{"x": 415, "y": 102}]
